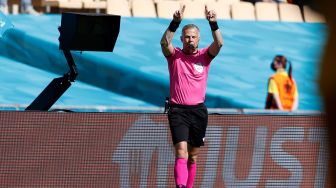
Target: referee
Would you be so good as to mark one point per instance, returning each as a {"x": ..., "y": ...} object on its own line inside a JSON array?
[{"x": 188, "y": 73}]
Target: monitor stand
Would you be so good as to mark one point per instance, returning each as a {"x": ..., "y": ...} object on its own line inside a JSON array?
[{"x": 56, "y": 87}]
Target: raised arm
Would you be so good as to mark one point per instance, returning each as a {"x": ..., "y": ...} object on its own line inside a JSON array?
[
  {"x": 218, "y": 42},
  {"x": 166, "y": 44}
]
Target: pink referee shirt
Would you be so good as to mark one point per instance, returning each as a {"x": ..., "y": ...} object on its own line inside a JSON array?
[{"x": 188, "y": 76}]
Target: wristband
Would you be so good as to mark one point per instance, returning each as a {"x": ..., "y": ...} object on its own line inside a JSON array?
[
  {"x": 173, "y": 25},
  {"x": 213, "y": 26}
]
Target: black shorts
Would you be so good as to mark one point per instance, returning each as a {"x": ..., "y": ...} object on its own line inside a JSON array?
[{"x": 188, "y": 123}]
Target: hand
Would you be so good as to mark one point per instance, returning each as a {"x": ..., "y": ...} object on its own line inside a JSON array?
[
  {"x": 178, "y": 15},
  {"x": 210, "y": 15}
]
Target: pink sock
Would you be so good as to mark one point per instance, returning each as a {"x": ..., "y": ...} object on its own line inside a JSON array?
[
  {"x": 181, "y": 171},
  {"x": 191, "y": 174}
]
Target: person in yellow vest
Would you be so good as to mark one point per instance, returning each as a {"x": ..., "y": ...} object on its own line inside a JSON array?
[{"x": 282, "y": 89}]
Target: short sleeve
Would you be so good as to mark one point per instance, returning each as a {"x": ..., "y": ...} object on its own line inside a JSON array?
[
  {"x": 272, "y": 87},
  {"x": 208, "y": 58},
  {"x": 172, "y": 56}
]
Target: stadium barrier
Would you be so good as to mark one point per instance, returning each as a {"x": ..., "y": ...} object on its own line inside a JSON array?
[{"x": 57, "y": 149}]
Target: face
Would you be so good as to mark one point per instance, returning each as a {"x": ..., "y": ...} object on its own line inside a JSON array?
[
  {"x": 277, "y": 65},
  {"x": 190, "y": 39}
]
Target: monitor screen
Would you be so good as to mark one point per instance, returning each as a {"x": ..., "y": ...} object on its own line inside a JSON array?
[{"x": 88, "y": 32}]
